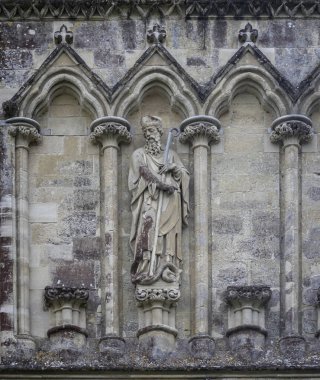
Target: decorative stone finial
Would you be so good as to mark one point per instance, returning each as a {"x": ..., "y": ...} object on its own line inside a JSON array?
[
  {"x": 157, "y": 34},
  {"x": 291, "y": 126},
  {"x": 248, "y": 34},
  {"x": 63, "y": 36}
]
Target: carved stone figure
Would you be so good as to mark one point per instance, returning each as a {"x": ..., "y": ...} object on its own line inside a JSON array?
[{"x": 157, "y": 189}]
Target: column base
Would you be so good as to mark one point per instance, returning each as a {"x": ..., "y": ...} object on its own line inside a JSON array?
[
  {"x": 293, "y": 346},
  {"x": 67, "y": 336},
  {"x": 160, "y": 338},
  {"x": 26, "y": 346},
  {"x": 112, "y": 344},
  {"x": 247, "y": 341},
  {"x": 202, "y": 346}
]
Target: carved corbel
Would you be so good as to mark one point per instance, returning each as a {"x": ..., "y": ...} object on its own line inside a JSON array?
[
  {"x": 246, "y": 317},
  {"x": 157, "y": 314},
  {"x": 68, "y": 308}
]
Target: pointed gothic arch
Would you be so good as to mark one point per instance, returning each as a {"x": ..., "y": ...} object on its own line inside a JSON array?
[
  {"x": 162, "y": 79},
  {"x": 248, "y": 79}
]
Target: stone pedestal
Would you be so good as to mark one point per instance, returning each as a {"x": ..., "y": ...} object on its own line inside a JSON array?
[
  {"x": 246, "y": 318},
  {"x": 68, "y": 306},
  {"x": 157, "y": 315}
]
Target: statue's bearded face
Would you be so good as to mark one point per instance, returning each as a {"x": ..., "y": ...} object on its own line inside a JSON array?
[{"x": 153, "y": 140}]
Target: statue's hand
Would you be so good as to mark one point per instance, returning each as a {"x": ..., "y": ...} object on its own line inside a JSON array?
[
  {"x": 169, "y": 168},
  {"x": 170, "y": 189}
]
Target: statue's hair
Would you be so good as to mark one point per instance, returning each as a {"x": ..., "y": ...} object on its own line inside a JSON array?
[{"x": 148, "y": 120}]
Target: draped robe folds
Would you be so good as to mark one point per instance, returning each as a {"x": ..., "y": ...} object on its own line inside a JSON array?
[{"x": 144, "y": 205}]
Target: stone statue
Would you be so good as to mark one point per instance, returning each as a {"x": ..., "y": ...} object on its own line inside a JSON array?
[{"x": 161, "y": 189}]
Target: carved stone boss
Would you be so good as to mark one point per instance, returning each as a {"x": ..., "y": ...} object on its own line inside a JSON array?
[
  {"x": 200, "y": 132},
  {"x": 25, "y": 131},
  {"x": 291, "y": 131},
  {"x": 246, "y": 315},
  {"x": 109, "y": 132}
]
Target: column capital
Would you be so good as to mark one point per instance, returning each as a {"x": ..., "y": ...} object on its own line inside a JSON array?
[
  {"x": 291, "y": 126},
  {"x": 257, "y": 295},
  {"x": 24, "y": 128},
  {"x": 110, "y": 131},
  {"x": 200, "y": 130},
  {"x": 54, "y": 295}
]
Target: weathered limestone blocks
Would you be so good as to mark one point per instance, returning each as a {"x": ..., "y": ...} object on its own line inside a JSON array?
[
  {"x": 109, "y": 132},
  {"x": 68, "y": 308},
  {"x": 157, "y": 315},
  {"x": 246, "y": 316},
  {"x": 200, "y": 132},
  {"x": 291, "y": 131},
  {"x": 25, "y": 131}
]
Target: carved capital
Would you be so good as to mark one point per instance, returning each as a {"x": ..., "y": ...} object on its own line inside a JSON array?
[
  {"x": 289, "y": 126},
  {"x": 200, "y": 131},
  {"x": 110, "y": 131},
  {"x": 58, "y": 295},
  {"x": 238, "y": 296},
  {"x": 146, "y": 295},
  {"x": 24, "y": 128}
]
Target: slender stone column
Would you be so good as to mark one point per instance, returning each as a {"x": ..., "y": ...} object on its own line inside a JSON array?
[
  {"x": 201, "y": 131},
  {"x": 291, "y": 131},
  {"x": 110, "y": 132},
  {"x": 25, "y": 131}
]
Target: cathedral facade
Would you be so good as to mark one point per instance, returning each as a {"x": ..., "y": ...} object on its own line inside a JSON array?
[{"x": 159, "y": 189}]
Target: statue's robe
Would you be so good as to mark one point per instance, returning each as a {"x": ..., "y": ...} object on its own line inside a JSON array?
[{"x": 144, "y": 205}]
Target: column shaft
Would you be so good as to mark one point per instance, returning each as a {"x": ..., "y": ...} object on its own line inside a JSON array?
[
  {"x": 23, "y": 241},
  {"x": 200, "y": 131},
  {"x": 109, "y": 131},
  {"x": 110, "y": 190},
  {"x": 291, "y": 236},
  {"x": 291, "y": 131},
  {"x": 201, "y": 239}
]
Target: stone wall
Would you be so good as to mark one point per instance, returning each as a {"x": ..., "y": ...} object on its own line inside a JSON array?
[{"x": 76, "y": 79}]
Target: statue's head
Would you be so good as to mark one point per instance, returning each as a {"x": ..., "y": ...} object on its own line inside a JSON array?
[{"x": 149, "y": 123}]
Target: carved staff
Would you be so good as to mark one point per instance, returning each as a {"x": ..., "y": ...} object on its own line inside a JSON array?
[{"x": 173, "y": 132}]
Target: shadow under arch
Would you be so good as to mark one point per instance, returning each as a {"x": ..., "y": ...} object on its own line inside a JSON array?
[
  {"x": 252, "y": 80},
  {"x": 162, "y": 80},
  {"x": 59, "y": 81}
]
